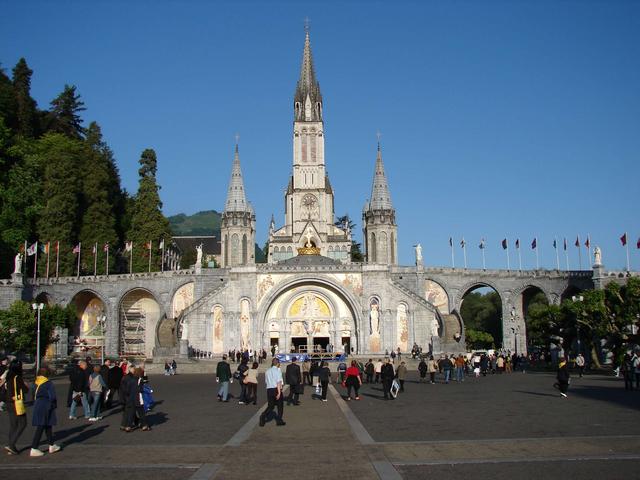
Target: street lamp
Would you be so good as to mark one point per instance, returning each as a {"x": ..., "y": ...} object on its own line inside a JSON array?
[
  {"x": 514, "y": 330},
  {"x": 38, "y": 307},
  {"x": 575, "y": 299}
]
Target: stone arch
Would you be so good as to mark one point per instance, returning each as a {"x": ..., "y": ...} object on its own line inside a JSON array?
[
  {"x": 437, "y": 295},
  {"x": 44, "y": 297},
  {"x": 139, "y": 312},
  {"x": 499, "y": 328},
  {"x": 351, "y": 302},
  {"x": 87, "y": 336},
  {"x": 182, "y": 297}
]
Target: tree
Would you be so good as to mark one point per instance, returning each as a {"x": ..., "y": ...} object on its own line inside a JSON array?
[
  {"x": 98, "y": 225},
  {"x": 65, "y": 110},
  {"x": 18, "y": 326},
  {"x": 483, "y": 313},
  {"x": 61, "y": 188},
  {"x": 356, "y": 252},
  {"x": 477, "y": 339},
  {"x": 147, "y": 222},
  {"x": 26, "y": 112}
]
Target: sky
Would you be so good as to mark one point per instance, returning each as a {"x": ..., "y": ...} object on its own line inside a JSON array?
[{"x": 498, "y": 119}]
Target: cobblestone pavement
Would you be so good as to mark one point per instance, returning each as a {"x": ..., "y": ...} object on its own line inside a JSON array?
[{"x": 501, "y": 426}]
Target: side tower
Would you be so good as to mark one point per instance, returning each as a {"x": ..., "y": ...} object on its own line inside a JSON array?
[
  {"x": 379, "y": 220},
  {"x": 238, "y": 228}
]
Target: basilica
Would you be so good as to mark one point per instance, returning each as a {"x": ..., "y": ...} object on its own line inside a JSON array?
[{"x": 310, "y": 296}]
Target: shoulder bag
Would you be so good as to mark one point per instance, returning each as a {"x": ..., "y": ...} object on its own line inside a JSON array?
[{"x": 18, "y": 399}]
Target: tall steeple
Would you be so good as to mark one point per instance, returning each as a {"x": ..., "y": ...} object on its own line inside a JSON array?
[
  {"x": 379, "y": 220},
  {"x": 238, "y": 222},
  {"x": 307, "y": 99},
  {"x": 236, "y": 199},
  {"x": 380, "y": 196}
]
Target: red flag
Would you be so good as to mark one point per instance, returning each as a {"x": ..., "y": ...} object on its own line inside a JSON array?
[
  {"x": 147, "y": 245},
  {"x": 534, "y": 244},
  {"x": 76, "y": 249},
  {"x": 504, "y": 244},
  {"x": 588, "y": 243},
  {"x": 57, "y": 246},
  {"x": 623, "y": 239}
]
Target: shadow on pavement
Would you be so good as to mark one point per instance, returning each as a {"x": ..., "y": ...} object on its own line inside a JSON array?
[
  {"x": 619, "y": 396},
  {"x": 539, "y": 394},
  {"x": 86, "y": 435}
]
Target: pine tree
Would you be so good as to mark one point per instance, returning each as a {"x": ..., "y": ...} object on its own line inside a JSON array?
[
  {"x": 98, "y": 224},
  {"x": 65, "y": 113},
  {"x": 147, "y": 222},
  {"x": 61, "y": 185},
  {"x": 25, "y": 105},
  {"x": 7, "y": 100}
]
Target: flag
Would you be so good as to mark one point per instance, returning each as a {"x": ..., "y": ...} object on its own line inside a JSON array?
[
  {"x": 106, "y": 247},
  {"x": 517, "y": 243},
  {"x": 57, "y": 247},
  {"x": 577, "y": 241},
  {"x": 147, "y": 245},
  {"x": 45, "y": 248},
  {"x": 504, "y": 243},
  {"x": 638, "y": 243},
  {"x": 76, "y": 249},
  {"x": 481, "y": 246},
  {"x": 565, "y": 244},
  {"x": 555, "y": 244},
  {"x": 161, "y": 245},
  {"x": 128, "y": 246},
  {"x": 534, "y": 244},
  {"x": 462, "y": 243},
  {"x": 32, "y": 249},
  {"x": 588, "y": 243},
  {"x": 94, "y": 249},
  {"x": 450, "y": 241},
  {"x": 623, "y": 239}
]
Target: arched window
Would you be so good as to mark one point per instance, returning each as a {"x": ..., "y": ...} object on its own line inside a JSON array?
[
  {"x": 372, "y": 247},
  {"x": 289, "y": 252},
  {"x": 235, "y": 249},
  {"x": 244, "y": 250}
]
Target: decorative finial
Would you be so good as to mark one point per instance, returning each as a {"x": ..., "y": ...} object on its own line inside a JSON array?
[
  {"x": 237, "y": 136},
  {"x": 378, "y": 135},
  {"x": 306, "y": 25}
]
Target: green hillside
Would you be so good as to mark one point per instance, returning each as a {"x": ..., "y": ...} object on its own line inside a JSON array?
[{"x": 201, "y": 223}]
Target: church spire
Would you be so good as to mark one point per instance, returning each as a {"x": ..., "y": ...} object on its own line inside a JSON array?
[
  {"x": 380, "y": 196},
  {"x": 236, "y": 200},
  {"x": 308, "y": 99}
]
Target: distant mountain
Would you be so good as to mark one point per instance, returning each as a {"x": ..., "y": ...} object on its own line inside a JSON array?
[{"x": 201, "y": 223}]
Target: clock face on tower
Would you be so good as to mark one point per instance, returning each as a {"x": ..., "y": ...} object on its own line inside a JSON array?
[{"x": 309, "y": 203}]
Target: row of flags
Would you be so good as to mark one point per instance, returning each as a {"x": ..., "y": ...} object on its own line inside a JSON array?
[
  {"x": 33, "y": 249},
  {"x": 534, "y": 243}
]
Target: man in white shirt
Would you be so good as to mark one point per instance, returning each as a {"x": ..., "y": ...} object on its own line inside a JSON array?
[{"x": 273, "y": 381}]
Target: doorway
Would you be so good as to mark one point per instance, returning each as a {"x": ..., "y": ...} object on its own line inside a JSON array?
[
  {"x": 299, "y": 344},
  {"x": 346, "y": 344},
  {"x": 320, "y": 344}
]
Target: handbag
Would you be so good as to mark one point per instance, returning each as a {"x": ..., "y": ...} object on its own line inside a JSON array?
[{"x": 18, "y": 399}]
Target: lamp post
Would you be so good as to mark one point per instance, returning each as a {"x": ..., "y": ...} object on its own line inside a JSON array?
[
  {"x": 38, "y": 307},
  {"x": 514, "y": 330},
  {"x": 575, "y": 299}
]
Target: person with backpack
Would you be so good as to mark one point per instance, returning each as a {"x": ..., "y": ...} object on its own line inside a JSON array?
[
  {"x": 342, "y": 370},
  {"x": 16, "y": 391}
]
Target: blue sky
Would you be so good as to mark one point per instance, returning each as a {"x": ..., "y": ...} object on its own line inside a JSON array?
[{"x": 498, "y": 118}]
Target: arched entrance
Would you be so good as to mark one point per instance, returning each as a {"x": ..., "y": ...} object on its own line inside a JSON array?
[
  {"x": 309, "y": 316},
  {"x": 88, "y": 333},
  {"x": 481, "y": 312},
  {"x": 139, "y": 313},
  {"x": 533, "y": 298}
]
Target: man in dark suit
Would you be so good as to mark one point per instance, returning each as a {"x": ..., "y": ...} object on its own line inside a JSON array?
[
  {"x": 293, "y": 378},
  {"x": 387, "y": 378}
]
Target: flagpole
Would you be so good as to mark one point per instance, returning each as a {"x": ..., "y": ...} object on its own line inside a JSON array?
[
  {"x": 484, "y": 266},
  {"x": 150, "y": 245},
  {"x": 453, "y": 257},
  {"x": 35, "y": 265},
  {"x": 519, "y": 259},
  {"x": 48, "y": 255},
  {"x": 508, "y": 259},
  {"x": 589, "y": 248},
  {"x": 24, "y": 258},
  {"x": 107, "y": 265},
  {"x": 79, "y": 253},
  {"x": 626, "y": 244},
  {"x": 95, "y": 260},
  {"x": 579, "y": 257},
  {"x": 162, "y": 262},
  {"x": 57, "y": 256},
  {"x": 464, "y": 253},
  {"x": 537, "y": 258},
  {"x": 131, "y": 259},
  {"x": 557, "y": 255}
]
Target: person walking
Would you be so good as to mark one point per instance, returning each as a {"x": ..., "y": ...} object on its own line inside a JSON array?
[
  {"x": 306, "y": 368},
  {"x": 387, "y": 375},
  {"x": 342, "y": 370},
  {"x": 324, "y": 377},
  {"x": 422, "y": 370},
  {"x": 241, "y": 372},
  {"x": 635, "y": 362},
  {"x": 626, "y": 366},
  {"x": 114, "y": 377},
  {"x": 459, "y": 363},
  {"x": 378, "y": 370},
  {"x": 79, "y": 385},
  {"x": 273, "y": 381},
  {"x": 432, "y": 368},
  {"x": 353, "y": 380},
  {"x": 126, "y": 386},
  {"x": 174, "y": 367},
  {"x": 563, "y": 377},
  {"x": 401, "y": 373},
  {"x": 44, "y": 413},
  {"x": 223, "y": 377},
  {"x": 16, "y": 391},
  {"x": 139, "y": 413},
  {"x": 251, "y": 381},
  {"x": 580, "y": 364},
  {"x": 96, "y": 386},
  {"x": 293, "y": 378},
  {"x": 369, "y": 370},
  {"x": 446, "y": 367}
]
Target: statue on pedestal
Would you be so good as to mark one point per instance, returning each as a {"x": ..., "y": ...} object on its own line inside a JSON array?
[
  {"x": 17, "y": 264},
  {"x": 199, "y": 255},
  {"x": 418, "y": 249},
  {"x": 597, "y": 257}
]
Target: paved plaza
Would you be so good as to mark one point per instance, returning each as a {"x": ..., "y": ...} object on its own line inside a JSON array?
[{"x": 499, "y": 426}]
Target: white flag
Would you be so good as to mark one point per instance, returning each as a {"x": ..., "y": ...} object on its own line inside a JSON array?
[
  {"x": 32, "y": 249},
  {"x": 128, "y": 246},
  {"x": 161, "y": 246}
]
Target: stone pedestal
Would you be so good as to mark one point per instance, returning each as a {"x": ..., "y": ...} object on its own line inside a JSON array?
[{"x": 184, "y": 348}]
